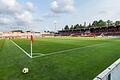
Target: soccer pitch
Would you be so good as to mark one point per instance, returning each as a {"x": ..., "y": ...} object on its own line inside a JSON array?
[{"x": 64, "y": 58}]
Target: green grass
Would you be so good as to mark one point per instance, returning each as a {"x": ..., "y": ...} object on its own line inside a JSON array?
[
  {"x": 2, "y": 41},
  {"x": 49, "y": 45},
  {"x": 80, "y": 64}
]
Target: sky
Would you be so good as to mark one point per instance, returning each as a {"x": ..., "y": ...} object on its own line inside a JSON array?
[{"x": 44, "y": 15}]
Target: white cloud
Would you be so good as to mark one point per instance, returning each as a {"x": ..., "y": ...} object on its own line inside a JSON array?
[
  {"x": 5, "y": 19},
  {"x": 51, "y": 15},
  {"x": 62, "y": 6},
  {"x": 39, "y": 20},
  {"x": 9, "y": 3},
  {"x": 111, "y": 7},
  {"x": 26, "y": 16},
  {"x": 20, "y": 12},
  {"x": 29, "y": 6},
  {"x": 102, "y": 12}
]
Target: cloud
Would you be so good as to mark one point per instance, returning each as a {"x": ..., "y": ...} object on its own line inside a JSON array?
[
  {"x": 102, "y": 12},
  {"x": 118, "y": 13},
  {"x": 4, "y": 20},
  {"x": 26, "y": 16},
  {"x": 110, "y": 7},
  {"x": 62, "y": 6},
  {"x": 51, "y": 15},
  {"x": 29, "y": 6},
  {"x": 9, "y": 3},
  {"x": 22, "y": 13},
  {"x": 38, "y": 20}
]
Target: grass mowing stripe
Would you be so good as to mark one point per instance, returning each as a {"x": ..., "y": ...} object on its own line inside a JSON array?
[
  {"x": 21, "y": 48},
  {"x": 54, "y": 44},
  {"x": 70, "y": 50},
  {"x": 73, "y": 49},
  {"x": 81, "y": 64},
  {"x": 2, "y": 42}
]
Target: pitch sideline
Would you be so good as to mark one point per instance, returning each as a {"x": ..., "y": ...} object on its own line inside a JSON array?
[{"x": 21, "y": 49}]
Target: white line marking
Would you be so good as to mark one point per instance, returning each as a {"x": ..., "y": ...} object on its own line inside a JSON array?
[
  {"x": 70, "y": 50},
  {"x": 37, "y": 54},
  {"x": 21, "y": 49}
]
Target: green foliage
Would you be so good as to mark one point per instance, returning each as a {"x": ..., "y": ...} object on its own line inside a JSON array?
[
  {"x": 66, "y": 27},
  {"x": 95, "y": 24},
  {"x": 117, "y": 23},
  {"x": 99, "y": 23},
  {"x": 109, "y": 23},
  {"x": 72, "y": 27},
  {"x": 77, "y": 27},
  {"x": 17, "y": 31},
  {"x": 89, "y": 26}
]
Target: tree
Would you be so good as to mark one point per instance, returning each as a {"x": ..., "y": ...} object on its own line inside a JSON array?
[
  {"x": 81, "y": 26},
  {"x": 17, "y": 31},
  {"x": 109, "y": 23},
  {"x": 101, "y": 23},
  {"x": 95, "y": 23},
  {"x": 72, "y": 27},
  {"x": 66, "y": 27},
  {"x": 77, "y": 27},
  {"x": 117, "y": 23},
  {"x": 89, "y": 25}
]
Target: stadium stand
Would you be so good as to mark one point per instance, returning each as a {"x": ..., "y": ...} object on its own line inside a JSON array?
[{"x": 107, "y": 31}]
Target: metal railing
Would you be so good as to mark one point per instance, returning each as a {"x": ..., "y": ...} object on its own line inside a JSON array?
[{"x": 111, "y": 73}]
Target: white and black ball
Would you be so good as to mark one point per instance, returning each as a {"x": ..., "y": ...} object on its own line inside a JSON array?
[{"x": 25, "y": 70}]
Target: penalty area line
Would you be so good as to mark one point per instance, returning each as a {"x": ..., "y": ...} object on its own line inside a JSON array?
[
  {"x": 58, "y": 52},
  {"x": 21, "y": 49}
]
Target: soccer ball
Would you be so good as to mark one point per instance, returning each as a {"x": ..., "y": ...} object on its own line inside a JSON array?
[{"x": 25, "y": 70}]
